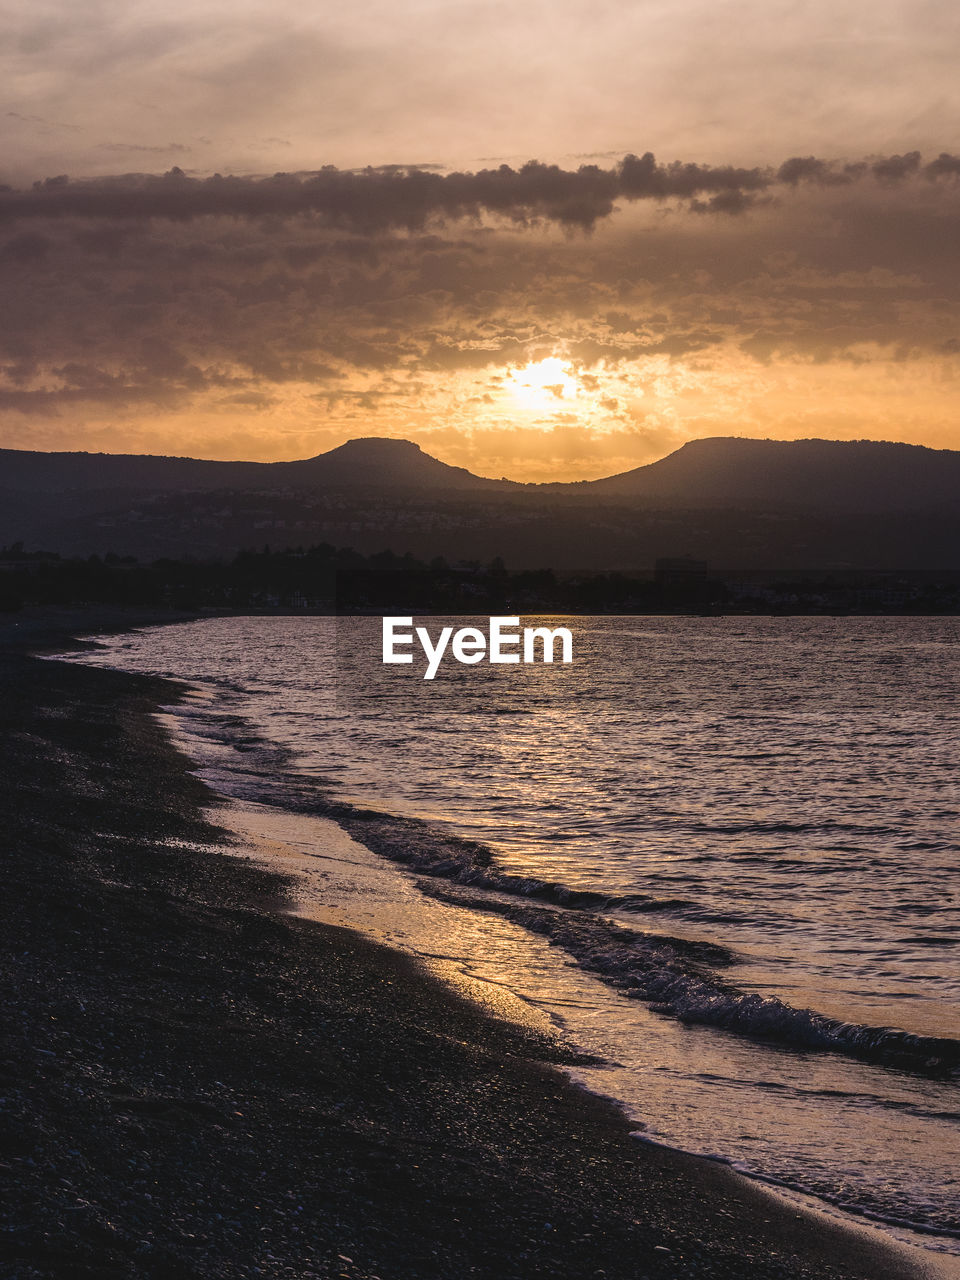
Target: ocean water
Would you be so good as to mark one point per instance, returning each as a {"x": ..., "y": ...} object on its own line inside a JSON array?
[{"x": 720, "y": 853}]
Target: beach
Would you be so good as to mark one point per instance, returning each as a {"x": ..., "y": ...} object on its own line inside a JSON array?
[{"x": 198, "y": 1084}]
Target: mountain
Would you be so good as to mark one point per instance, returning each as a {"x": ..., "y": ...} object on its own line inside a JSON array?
[
  {"x": 742, "y": 504},
  {"x": 373, "y": 461},
  {"x": 720, "y": 472},
  {"x": 839, "y": 475},
  {"x": 376, "y": 460}
]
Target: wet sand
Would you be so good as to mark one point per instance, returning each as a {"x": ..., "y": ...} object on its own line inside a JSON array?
[{"x": 199, "y": 1085}]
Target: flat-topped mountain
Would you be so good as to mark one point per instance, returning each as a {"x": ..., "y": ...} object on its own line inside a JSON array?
[
  {"x": 840, "y": 475},
  {"x": 378, "y": 460},
  {"x": 371, "y": 460}
]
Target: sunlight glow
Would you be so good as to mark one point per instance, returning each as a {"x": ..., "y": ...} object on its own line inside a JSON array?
[{"x": 539, "y": 386}]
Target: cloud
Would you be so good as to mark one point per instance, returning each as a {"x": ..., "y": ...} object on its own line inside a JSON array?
[
  {"x": 392, "y": 196},
  {"x": 142, "y": 147},
  {"x": 744, "y": 82},
  {"x": 389, "y": 197},
  {"x": 315, "y": 307},
  {"x": 29, "y": 246}
]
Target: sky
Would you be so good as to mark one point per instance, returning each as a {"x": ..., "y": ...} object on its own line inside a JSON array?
[{"x": 543, "y": 240}]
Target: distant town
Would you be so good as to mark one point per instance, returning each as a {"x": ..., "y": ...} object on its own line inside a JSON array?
[{"x": 325, "y": 579}]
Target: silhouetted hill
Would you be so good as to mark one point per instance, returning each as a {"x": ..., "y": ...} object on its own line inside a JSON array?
[
  {"x": 24, "y": 471},
  {"x": 838, "y": 475},
  {"x": 859, "y": 475},
  {"x": 738, "y": 503},
  {"x": 371, "y": 461},
  {"x": 377, "y": 460}
]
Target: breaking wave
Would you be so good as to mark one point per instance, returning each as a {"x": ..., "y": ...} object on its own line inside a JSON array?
[{"x": 675, "y": 976}]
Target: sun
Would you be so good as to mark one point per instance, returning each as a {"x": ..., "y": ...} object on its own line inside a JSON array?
[{"x": 540, "y": 385}]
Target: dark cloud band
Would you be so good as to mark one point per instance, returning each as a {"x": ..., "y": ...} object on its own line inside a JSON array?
[{"x": 374, "y": 200}]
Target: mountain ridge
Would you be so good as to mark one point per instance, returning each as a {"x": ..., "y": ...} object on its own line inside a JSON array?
[
  {"x": 715, "y": 471},
  {"x": 365, "y": 460},
  {"x": 743, "y": 502},
  {"x": 720, "y": 471}
]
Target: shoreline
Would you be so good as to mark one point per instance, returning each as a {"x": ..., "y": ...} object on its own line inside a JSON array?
[
  {"x": 380, "y": 901},
  {"x": 180, "y": 1034}
]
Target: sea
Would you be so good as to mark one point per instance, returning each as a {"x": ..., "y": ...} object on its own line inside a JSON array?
[{"x": 719, "y": 855}]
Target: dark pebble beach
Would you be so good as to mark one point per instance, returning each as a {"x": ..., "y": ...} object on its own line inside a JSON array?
[{"x": 194, "y": 1085}]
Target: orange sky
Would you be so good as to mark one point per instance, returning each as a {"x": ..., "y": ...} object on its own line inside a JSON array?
[{"x": 538, "y": 323}]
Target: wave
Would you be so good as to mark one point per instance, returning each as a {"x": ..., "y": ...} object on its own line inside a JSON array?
[
  {"x": 434, "y": 852},
  {"x": 949, "y": 1230},
  {"x": 675, "y": 976},
  {"x": 668, "y": 974}
]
